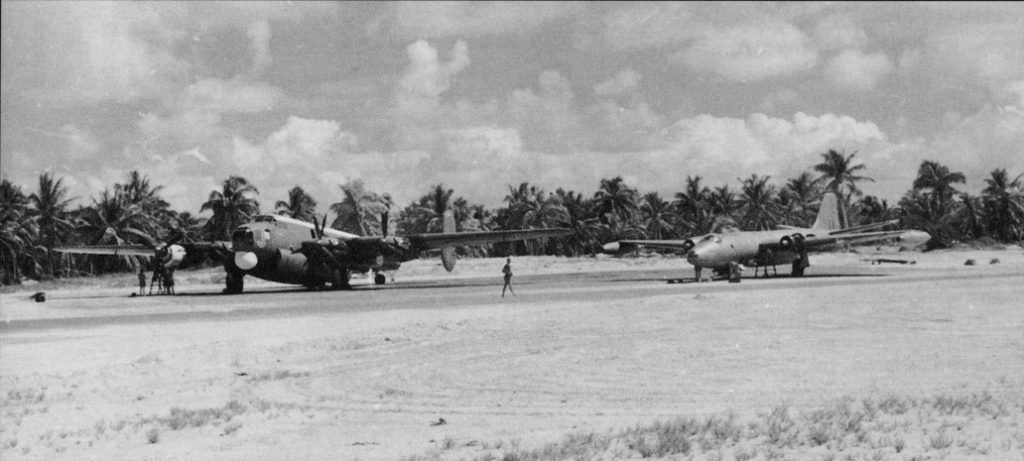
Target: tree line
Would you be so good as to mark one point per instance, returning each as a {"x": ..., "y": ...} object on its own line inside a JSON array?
[{"x": 133, "y": 212}]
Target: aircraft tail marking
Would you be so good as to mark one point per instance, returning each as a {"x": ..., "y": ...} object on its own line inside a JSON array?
[{"x": 828, "y": 214}]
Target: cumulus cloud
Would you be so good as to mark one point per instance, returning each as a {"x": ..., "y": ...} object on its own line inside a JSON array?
[
  {"x": 752, "y": 52},
  {"x": 855, "y": 69},
  {"x": 418, "y": 92}
]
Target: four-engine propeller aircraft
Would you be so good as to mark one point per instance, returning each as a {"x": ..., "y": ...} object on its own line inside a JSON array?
[
  {"x": 787, "y": 245},
  {"x": 286, "y": 250}
]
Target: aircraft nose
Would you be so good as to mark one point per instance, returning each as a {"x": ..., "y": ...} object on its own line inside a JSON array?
[
  {"x": 245, "y": 260},
  {"x": 612, "y": 247}
]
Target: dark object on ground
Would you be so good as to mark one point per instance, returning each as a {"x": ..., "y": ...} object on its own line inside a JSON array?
[
  {"x": 439, "y": 422},
  {"x": 39, "y": 297},
  {"x": 994, "y": 261},
  {"x": 969, "y": 262},
  {"x": 894, "y": 261}
]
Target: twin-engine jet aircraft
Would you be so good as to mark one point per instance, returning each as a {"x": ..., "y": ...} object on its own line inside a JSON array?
[
  {"x": 788, "y": 245},
  {"x": 286, "y": 250}
]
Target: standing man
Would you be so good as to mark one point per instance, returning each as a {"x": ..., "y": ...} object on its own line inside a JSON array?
[
  {"x": 507, "y": 270},
  {"x": 169, "y": 281},
  {"x": 158, "y": 280},
  {"x": 142, "y": 280}
]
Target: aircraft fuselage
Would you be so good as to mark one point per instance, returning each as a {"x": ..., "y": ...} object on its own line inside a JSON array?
[
  {"x": 716, "y": 251},
  {"x": 268, "y": 248}
]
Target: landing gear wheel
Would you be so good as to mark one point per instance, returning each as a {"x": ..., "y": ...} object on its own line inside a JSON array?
[
  {"x": 234, "y": 282},
  {"x": 379, "y": 279}
]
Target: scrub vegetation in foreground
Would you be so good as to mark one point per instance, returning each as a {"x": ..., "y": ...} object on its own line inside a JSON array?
[{"x": 971, "y": 426}]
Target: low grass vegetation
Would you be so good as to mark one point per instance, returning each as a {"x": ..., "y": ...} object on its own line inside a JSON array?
[{"x": 970, "y": 426}]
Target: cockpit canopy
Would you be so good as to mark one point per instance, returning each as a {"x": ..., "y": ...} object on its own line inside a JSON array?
[{"x": 711, "y": 238}]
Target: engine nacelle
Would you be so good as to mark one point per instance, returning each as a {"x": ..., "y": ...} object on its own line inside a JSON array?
[
  {"x": 173, "y": 256},
  {"x": 786, "y": 242},
  {"x": 448, "y": 258}
]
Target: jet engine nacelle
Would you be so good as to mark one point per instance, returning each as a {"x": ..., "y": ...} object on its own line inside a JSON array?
[
  {"x": 788, "y": 241},
  {"x": 448, "y": 258},
  {"x": 172, "y": 256}
]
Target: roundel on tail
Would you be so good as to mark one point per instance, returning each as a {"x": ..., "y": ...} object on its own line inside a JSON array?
[{"x": 448, "y": 258}]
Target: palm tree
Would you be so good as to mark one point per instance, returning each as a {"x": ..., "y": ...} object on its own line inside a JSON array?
[
  {"x": 50, "y": 205},
  {"x": 1004, "y": 205},
  {"x": 691, "y": 206},
  {"x": 656, "y": 216},
  {"x": 299, "y": 205},
  {"x": 615, "y": 201},
  {"x": 232, "y": 206},
  {"x": 758, "y": 205},
  {"x": 937, "y": 177},
  {"x": 870, "y": 209},
  {"x": 17, "y": 232},
  {"x": 837, "y": 172},
  {"x": 586, "y": 229},
  {"x": 360, "y": 210},
  {"x": 799, "y": 195},
  {"x": 111, "y": 220},
  {"x": 919, "y": 211}
]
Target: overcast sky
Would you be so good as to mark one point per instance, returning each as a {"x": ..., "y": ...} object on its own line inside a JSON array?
[{"x": 483, "y": 95}]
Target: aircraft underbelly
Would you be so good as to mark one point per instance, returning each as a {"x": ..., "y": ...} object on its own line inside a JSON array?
[{"x": 281, "y": 266}]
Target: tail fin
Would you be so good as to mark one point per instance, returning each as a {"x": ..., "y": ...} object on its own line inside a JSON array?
[
  {"x": 449, "y": 222},
  {"x": 828, "y": 214}
]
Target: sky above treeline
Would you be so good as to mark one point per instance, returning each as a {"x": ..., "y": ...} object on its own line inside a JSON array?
[{"x": 480, "y": 96}]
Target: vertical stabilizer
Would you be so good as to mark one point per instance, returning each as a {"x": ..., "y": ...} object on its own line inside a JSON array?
[
  {"x": 828, "y": 214},
  {"x": 449, "y": 222}
]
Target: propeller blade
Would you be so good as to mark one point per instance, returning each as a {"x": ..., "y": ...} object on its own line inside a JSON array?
[
  {"x": 323, "y": 226},
  {"x": 384, "y": 223}
]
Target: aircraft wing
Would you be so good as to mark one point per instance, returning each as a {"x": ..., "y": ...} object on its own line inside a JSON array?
[
  {"x": 115, "y": 250},
  {"x": 432, "y": 241},
  {"x": 139, "y": 250},
  {"x": 912, "y": 237},
  {"x": 681, "y": 245}
]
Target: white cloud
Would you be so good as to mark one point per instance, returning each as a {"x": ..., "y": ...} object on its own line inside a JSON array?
[
  {"x": 418, "y": 92},
  {"x": 855, "y": 69},
  {"x": 752, "y": 52},
  {"x": 227, "y": 96}
]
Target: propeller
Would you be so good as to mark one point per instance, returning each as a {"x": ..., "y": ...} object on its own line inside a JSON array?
[
  {"x": 318, "y": 227},
  {"x": 384, "y": 223},
  {"x": 162, "y": 250}
]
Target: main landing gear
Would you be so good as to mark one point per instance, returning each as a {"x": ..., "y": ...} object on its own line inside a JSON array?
[
  {"x": 234, "y": 282},
  {"x": 379, "y": 278}
]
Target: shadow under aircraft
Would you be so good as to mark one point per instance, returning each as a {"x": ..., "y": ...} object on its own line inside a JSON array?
[
  {"x": 286, "y": 250},
  {"x": 786, "y": 245}
]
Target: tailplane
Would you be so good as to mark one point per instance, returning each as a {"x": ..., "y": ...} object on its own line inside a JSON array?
[{"x": 828, "y": 214}]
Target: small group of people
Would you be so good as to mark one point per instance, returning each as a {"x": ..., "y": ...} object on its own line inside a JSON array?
[{"x": 163, "y": 280}]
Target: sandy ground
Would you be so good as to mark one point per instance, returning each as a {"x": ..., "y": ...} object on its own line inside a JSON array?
[{"x": 574, "y": 352}]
